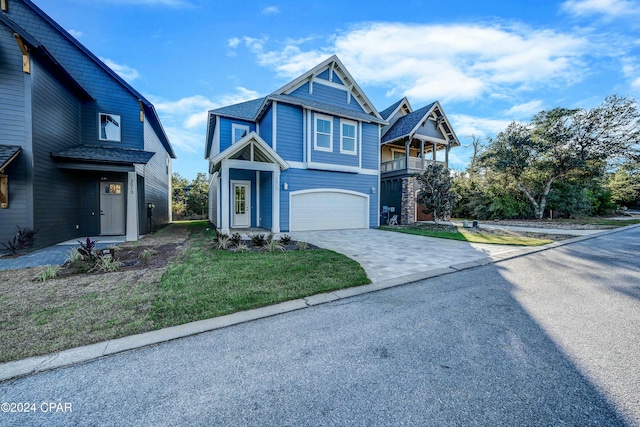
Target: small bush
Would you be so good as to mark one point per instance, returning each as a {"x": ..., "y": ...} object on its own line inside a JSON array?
[
  {"x": 272, "y": 246},
  {"x": 285, "y": 240},
  {"x": 302, "y": 246},
  {"x": 146, "y": 255},
  {"x": 107, "y": 265},
  {"x": 74, "y": 258},
  {"x": 236, "y": 238},
  {"x": 222, "y": 241},
  {"x": 258, "y": 240},
  {"x": 49, "y": 272},
  {"x": 86, "y": 248},
  {"x": 24, "y": 238},
  {"x": 242, "y": 247}
]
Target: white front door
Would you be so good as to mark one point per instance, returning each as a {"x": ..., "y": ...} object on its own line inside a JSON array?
[
  {"x": 112, "y": 207},
  {"x": 241, "y": 206}
]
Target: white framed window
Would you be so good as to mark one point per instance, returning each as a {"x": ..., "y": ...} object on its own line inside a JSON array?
[
  {"x": 348, "y": 139},
  {"x": 323, "y": 135},
  {"x": 238, "y": 132},
  {"x": 109, "y": 127}
]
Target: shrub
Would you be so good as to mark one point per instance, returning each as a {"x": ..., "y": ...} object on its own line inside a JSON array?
[
  {"x": 107, "y": 265},
  {"x": 49, "y": 272},
  {"x": 302, "y": 246},
  {"x": 285, "y": 240},
  {"x": 74, "y": 257},
  {"x": 242, "y": 247},
  {"x": 24, "y": 238},
  {"x": 222, "y": 241},
  {"x": 236, "y": 238},
  {"x": 258, "y": 239},
  {"x": 272, "y": 246},
  {"x": 86, "y": 248},
  {"x": 146, "y": 255}
]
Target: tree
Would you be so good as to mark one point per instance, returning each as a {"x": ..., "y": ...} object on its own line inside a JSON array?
[
  {"x": 198, "y": 197},
  {"x": 564, "y": 144},
  {"x": 435, "y": 191},
  {"x": 625, "y": 186}
]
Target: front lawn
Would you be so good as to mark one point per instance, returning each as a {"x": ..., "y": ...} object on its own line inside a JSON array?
[
  {"x": 481, "y": 235},
  {"x": 199, "y": 282}
]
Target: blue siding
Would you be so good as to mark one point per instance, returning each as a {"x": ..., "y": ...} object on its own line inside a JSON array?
[
  {"x": 323, "y": 75},
  {"x": 244, "y": 175},
  {"x": 300, "y": 179},
  {"x": 290, "y": 141},
  {"x": 225, "y": 130},
  {"x": 334, "y": 157},
  {"x": 332, "y": 77},
  {"x": 327, "y": 95},
  {"x": 430, "y": 129},
  {"x": 266, "y": 127},
  {"x": 266, "y": 200},
  {"x": 370, "y": 146}
]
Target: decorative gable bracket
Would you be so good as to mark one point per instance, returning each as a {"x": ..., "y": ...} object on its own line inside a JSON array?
[{"x": 26, "y": 62}]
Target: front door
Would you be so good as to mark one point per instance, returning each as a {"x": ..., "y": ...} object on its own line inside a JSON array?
[
  {"x": 241, "y": 207},
  {"x": 111, "y": 208}
]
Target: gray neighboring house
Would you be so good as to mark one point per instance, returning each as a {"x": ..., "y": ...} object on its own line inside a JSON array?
[{"x": 82, "y": 153}]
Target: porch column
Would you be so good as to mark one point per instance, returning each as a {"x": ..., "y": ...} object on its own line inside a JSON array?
[
  {"x": 224, "y": 205},
  {"x": 132, "y": 208},
  {"x": 446, "y": 155},
  {"x": 435, "y": 146},
  {"x": 406, "y": 153},
  {"x": 275, "y": 199},
  {"x": 422, "y": 154}
]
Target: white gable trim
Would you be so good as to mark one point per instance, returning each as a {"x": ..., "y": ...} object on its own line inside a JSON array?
[{"x": 251, "y": 139}]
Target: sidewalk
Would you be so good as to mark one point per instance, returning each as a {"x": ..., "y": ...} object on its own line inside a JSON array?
[{"x": 32, "y": 365}]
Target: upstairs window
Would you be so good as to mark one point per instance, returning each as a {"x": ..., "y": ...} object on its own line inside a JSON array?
[
  {"x": 323, "y": 133},
  {"x": 348, "y": 142},
  {"x": 109, "y": 127},
  {"x": 238, "y": 132}
]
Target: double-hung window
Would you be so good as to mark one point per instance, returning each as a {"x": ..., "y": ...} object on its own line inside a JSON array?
[
  {"x": 238, "y": 132},
  {"x": 348, "y": 139},
  {"x": 323, "y": 140}
]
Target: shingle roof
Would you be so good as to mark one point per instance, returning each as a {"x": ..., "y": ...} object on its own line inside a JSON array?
[
  {"x": 244, "y": 110},
  {"x": 90, "y": 153},
  {"x": 7, "y": 153},
  {"x": 406, "y": 124},
  {"x": 387, "y": 111},
  {"x": 328, "y": 108}
]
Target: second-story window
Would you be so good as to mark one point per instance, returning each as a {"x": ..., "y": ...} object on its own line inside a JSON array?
[
  {"x": 238, "y": 132},
  {"x": 348, "y": 141},
  {"x": 324, "y": 133},
  {"x": 110, "y": 127}
]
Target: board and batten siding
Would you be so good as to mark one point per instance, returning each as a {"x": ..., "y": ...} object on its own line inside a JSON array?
[
  {"x": 266, "y": 200},
  {"x": 301, "y": 179},
  {"x": 157, "y": 177},
  {"x": 56, "y": 113},
  {"x": 13, "y": 131},
  {"x": 290, "y": 135}
]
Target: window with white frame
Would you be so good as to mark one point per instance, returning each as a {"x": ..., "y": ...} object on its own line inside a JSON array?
[
  {"x": 238, "y": 132},
  {"x": 348, "y": 140},
  {"x": 323, "y": 140},
  {"x": 110, "y": 127}
]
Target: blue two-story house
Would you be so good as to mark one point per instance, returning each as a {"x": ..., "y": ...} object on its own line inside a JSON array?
[
  {"x": 306, "y": 157},
  {"x": 82, "y": 153}
]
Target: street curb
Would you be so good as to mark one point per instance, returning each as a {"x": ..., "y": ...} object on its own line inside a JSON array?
[{"x": 84, "y": 354}]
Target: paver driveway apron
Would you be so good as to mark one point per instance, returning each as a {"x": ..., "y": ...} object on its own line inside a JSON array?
[{"x": 389, "y": 255}]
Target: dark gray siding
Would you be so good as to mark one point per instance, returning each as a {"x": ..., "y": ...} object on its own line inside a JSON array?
[
  {"x": 56, "y": 113},
  {"x": 391, "y": 195},
  {"x": 13, "y": 131},
  {"x": 156, "y": 177}
]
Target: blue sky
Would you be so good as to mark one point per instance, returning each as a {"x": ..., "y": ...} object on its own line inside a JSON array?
[{"x": 487, "y": 62}]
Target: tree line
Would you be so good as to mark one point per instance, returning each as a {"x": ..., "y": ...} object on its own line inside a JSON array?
[
  {"x": 565, "y": 162},
  {"x": 190, "y": 199}
]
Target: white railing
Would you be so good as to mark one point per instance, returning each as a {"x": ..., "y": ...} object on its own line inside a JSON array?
[{"x": 415, "y": 163}]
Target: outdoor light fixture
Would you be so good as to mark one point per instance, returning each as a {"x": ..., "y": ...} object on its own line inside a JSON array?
[
  {"x": 285, "y": 186},
  {"x": 373, "y": 190}
]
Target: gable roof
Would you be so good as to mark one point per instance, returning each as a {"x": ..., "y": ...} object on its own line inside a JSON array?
[
  {"x": 336, "y": 65},
  {"x": 407, "y": 126},
  {"x": 326, "y": 108},
  {"x": 252, "y": 139},
  {"x": 7, "y": 154},
  {"x": 391, "y": 110},
  {"x": 148, "y": 107}
]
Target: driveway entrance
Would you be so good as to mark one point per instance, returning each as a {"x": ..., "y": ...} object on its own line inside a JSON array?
[{"x": 389, "y": 255}]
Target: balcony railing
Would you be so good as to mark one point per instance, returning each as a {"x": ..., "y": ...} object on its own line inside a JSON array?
[{"x": 415, "y": 164}]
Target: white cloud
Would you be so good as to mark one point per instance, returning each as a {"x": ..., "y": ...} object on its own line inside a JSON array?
[
  {"x": 128, "y": 73},
  {"x": 185, "y": 120},
  {"x": 525, "y": 110},
  {"x": 606, "y": 8},
  {"x": 271, "y": 10},
  {"x": 482, "y": 127},
  {"x": 75, "y": 33},
  {"x": 445, "y": 62}
]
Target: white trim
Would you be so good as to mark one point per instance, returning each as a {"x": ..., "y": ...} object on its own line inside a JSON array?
[
  {"x": 361, "y": 143},
  {"x": 275, "y": 200},
  {"x": 247, "y": 202},
  {"x": 225, "y": 194},
  {"x": 274, "y": 127},
  {"x": 252, "y": 138},
  {"x": 379, "y": 173},
  {"x": 308, "y": 159},
  {"x": 317, "y": 80},
  {"x": 131, "y": 203},
  {"x": 236, "y": 126},
  {"x": 243, "y": 164},
  {"x": 257, "y": 198},
  {"x": 334, "y": 190},
  {"x": 218, "y": 206},
  {"x": 353, "y": 152},
  {"x": 329, "y": 119}
]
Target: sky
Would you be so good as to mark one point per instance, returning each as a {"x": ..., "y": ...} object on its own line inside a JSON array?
[{"x": 488, "y": 62}]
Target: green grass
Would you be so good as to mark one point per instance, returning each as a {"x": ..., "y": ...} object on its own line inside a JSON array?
[
  {"x": 603, "y": 221},
  {"x": 473, "y": 237},
  {"x": 206, "y": 282}
]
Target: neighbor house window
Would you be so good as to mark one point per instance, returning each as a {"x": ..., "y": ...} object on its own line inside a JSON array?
[
  {"x": 348, "y": 144},
  {"x": 110, "y": 127},
  {"x": 238, "y": 132},
  {"x": 324, "y": 133}
]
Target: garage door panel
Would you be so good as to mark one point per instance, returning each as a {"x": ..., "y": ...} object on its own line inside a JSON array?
[{"x": 328, "y": 210}]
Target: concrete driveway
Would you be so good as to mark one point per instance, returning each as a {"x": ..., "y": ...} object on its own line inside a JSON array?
[{"x": 387, "y": 255}]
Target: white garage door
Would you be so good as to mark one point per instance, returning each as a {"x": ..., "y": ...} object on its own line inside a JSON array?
[{"x": 329, "y": 210}]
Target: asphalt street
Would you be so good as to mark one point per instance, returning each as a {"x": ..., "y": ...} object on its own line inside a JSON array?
[{"x": 547, "y": 339}]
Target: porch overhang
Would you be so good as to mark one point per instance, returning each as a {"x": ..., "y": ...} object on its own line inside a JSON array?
[
  {"x": 250, "y": 149},
  {"x": 105, "y": 159},
  {"x": 8, "y": 153}
]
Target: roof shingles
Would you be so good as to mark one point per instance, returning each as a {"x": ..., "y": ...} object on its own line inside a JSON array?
[{"x": 90, "y": 153}]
